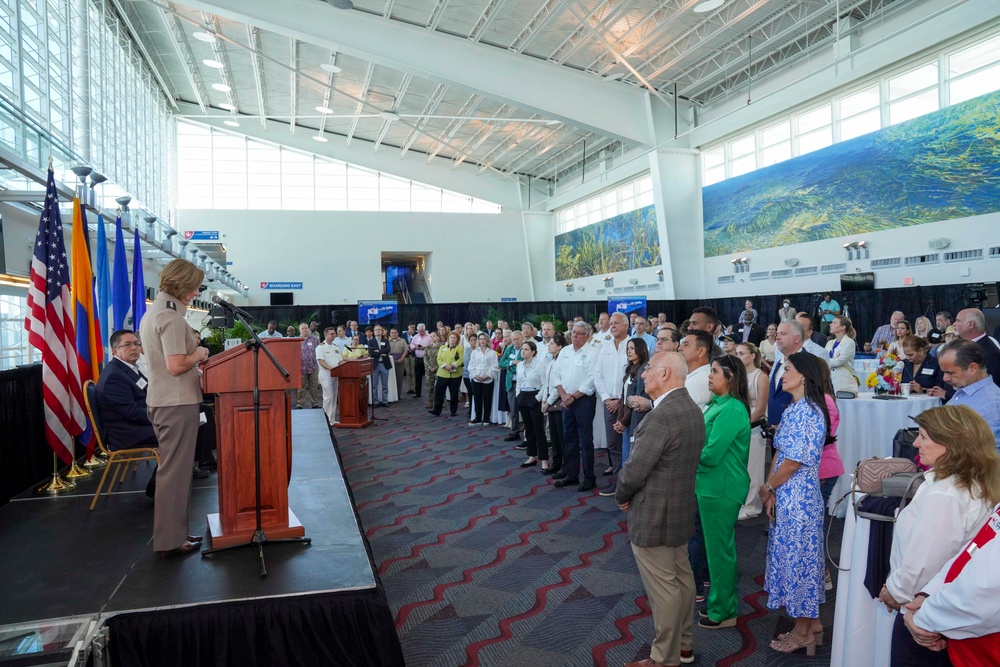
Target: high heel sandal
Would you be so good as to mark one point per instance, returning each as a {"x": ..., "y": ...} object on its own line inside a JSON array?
[
  {"x": 789, "y": 643},
  {"x": 818, "y": 634}
]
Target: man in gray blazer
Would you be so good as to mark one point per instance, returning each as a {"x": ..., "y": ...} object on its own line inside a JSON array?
[{"x": 656, "y": 488}]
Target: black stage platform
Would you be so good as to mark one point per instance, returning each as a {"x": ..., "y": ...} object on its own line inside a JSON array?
[{"x": 320, "y": 604}]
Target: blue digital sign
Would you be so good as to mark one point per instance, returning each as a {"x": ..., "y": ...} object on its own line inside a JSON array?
[
  {"x": 635, "y": 304},
  {"x": 377, "y": 312}
]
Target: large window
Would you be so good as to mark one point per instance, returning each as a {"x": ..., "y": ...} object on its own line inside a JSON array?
[
  {"x": 622, "y": 199},
  {"x": 123, "y": 127},
  {"x": 14, "y": 348},
  {"x": 221, "y": 170},
  {"x": 951, "y": 77}
]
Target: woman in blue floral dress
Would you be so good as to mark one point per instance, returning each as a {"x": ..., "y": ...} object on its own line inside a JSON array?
[{"x": 792, "y": 499}]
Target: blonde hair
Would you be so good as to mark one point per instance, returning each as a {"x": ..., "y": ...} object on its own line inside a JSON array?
[
  {"x": 753, "y": 350},
  {"x": 180, "y": 277},
  {"x": 848, "y": 326},
  {"x": 970, "y": 449}
]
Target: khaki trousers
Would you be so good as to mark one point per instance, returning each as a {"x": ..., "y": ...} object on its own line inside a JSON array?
[
  {"x": 669, "y": 582},
  {"x": 176, "y": 430}
]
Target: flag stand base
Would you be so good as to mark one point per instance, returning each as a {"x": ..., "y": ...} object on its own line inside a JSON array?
[
  {"x": 96, "y": 461},
  {"x": 75, "y": 472},
  {"x": 56, "y": 486}
]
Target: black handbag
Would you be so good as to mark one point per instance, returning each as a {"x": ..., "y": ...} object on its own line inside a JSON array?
[{"x": 902, "y": 444}]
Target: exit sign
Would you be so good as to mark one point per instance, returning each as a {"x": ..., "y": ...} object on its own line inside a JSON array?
[{"x": 907, "y": 281}]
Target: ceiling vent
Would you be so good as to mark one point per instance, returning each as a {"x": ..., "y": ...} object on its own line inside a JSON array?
[
  {"x": 807, "y": 271},
  {"x": 840, "y": 267},
  {"x": 886, "y": 263},
  {"x": 995, "y": 252},
  {"x": 760, "y": 275},
  {"x": 781, "y": 273},
  {"x": 920, "y": 260},
  {"x": 726, "y": 279},
  {"x": 964, "y": 255}
]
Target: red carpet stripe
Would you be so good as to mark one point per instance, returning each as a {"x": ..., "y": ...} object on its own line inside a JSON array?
[
  {"x": 439, "y": 590},
  {"x": 472, "y": 650},
  {"x": 451, "y": 497},
  {"x": 625, "y": 635},
  {"x": 428, "y": 482}
]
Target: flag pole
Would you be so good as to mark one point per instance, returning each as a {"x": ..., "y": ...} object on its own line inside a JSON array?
[{"x": 57, "y": 485}]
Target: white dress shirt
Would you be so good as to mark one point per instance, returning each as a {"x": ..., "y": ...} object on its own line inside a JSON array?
[
  {"x": 599, "y": 336},
  {"x": 531, "y": 376},
  {"x": 266, "y": 334},
  {"x": 937, "y": 523},
  {"x": 697, "y": 385},
  {"x": 329, "y": 354},
  {"x": 968, "y": 606},
  {"x": 610, "y": 369},
  {"x": 483, "y": 363},
  {"x": 574, "y": 369}
]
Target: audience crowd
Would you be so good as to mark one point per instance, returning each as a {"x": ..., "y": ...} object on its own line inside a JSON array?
[{"x": 707, "y": 425}]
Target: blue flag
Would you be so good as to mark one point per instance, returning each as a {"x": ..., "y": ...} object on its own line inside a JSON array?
[
  {"x": 138, "y": 285},
  {"x": 102, "y": 270},
  {"x": 120, "y": 293}
]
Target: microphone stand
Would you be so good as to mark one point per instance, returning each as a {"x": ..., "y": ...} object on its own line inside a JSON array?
[{"x": 259, "y": 538}]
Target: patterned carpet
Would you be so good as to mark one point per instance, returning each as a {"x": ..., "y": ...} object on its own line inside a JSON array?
[{"x": 485, "y": 563}]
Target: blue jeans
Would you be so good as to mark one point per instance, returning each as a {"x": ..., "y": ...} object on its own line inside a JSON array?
[
  {"x": 578, "y": 438},
  {"x": 380, "y": 377}
]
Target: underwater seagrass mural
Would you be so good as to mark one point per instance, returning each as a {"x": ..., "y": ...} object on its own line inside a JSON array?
[
  {"x": 940, "y": 166},
  {"x": 626, "y": 241}
]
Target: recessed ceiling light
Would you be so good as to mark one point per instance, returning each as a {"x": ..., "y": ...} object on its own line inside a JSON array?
[
  {"x": 221, "y": 87},
  {"x": 214, "y": 64},
  {"x": 203, "y": 36},
  {"x": 323, "y": 109},
  {"x": 390, "y": 116},
  {"x": 227, "y": 106},
  {"x": 707, "y": 6},
  {"x": 231, "y": 123},
  {"x": 332, "y": 69},
  {"x": 320, "y": 138}
]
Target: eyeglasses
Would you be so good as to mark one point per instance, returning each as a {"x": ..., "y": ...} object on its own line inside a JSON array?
[{"x": 128, "y": 345}]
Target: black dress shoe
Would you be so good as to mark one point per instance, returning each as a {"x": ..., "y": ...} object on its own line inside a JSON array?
[
  {"x": 558, "y": 475},
  {"x": 564, "y": 482},
  {"x": 511, "y": 438},
  {"x": 184, "y": 549},
  {"x": 201, "y": 474},
  {"x": 548, "y": 471},
  {"x": 208, "y": 465},
  {"x": 436, "y": 414},
  {"x": 195, "y": 538},
  {"x": 521, "y": 446},
  {"x": 528, "y": 464},
  {"x": 587, "y": 485}
]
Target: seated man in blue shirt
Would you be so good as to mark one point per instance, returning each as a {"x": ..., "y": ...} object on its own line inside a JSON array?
[{"x": 964, "y": 367}]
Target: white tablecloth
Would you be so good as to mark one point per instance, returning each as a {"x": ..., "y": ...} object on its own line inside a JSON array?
[
  {"x": 867, "y": 426},
  {"x": 862, "y": 626},
  {"x": 393, "y": 394},
  {"x": 861, "y": 371}
]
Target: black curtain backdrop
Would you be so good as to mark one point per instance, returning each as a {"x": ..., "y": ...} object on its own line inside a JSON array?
[
  {"x": 868, "y": 309},
  {"x": 27, "y": 457}
]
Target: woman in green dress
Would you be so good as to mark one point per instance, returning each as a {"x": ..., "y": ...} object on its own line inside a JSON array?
[{"x": 722, "y": 483}]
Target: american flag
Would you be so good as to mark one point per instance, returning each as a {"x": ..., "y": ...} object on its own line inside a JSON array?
[{"x": 50, "y": 329}]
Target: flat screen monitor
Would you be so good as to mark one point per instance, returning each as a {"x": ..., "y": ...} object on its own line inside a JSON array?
[
  {"x": 857, "y": 282},
  {"x": 282, "y": 299}
]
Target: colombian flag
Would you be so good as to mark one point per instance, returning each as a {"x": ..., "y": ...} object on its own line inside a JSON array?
[{"x": 89, "y": 350}]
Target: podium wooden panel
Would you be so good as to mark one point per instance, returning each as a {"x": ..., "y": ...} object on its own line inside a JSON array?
[
  {"x": 354, "y": 375},
  {"x": 230, "y": 375}
]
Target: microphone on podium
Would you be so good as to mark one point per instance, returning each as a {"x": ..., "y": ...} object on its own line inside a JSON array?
[{"x": 219, "y": 301}]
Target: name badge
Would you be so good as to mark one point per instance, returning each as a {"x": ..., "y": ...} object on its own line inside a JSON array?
[
  {"x": 927, "y": 371},
  {"x": 141, "y": 383}
]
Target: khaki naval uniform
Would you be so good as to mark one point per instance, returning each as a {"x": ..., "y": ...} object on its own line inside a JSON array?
[{"x": 172, "y": 403}]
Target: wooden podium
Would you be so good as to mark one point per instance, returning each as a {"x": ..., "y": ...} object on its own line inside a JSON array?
[
  {"x": 230, "y": 375},
  {"x": 354, "y": 375}
]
